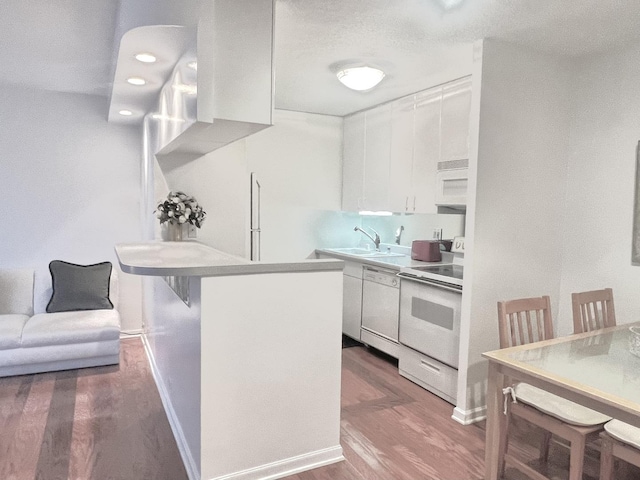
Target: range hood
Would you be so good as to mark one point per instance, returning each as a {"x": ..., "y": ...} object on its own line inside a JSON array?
[{"x": 235, "y": 81}]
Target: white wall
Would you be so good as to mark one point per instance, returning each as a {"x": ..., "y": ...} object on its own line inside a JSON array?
[
  {"x": 220, "y": 183},
  {"x": 299, "y": 165},
  {"x": 598, "y": 218},
  {"x": 70, "y": 184},
  {"x": 515, "y": 217}
]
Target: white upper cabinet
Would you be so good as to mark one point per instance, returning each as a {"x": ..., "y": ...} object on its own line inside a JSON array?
[
  {"x": 392, "y": 152},
  {"x": 456, "y": 107},
  {"x": 401, "y": 171},
  {"x": 377, "y": 158},
  {"x": 426, "y": 150},
  {"x": 353, "y": 162}
]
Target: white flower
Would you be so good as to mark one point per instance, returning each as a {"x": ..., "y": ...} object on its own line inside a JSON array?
[
  {"x": 170, "y": 213},
  {"x": 159, "y": 215},
  {"x": 182, "y": 219},
  {"x": 187, "y": 211}
]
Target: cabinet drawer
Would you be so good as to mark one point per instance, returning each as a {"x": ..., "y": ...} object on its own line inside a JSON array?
[{"x": 429, "y": 373}]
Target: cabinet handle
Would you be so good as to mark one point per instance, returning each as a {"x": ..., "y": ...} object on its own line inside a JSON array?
[
  {"x": 414, "y": 203},
  {"x": 406, "y": 203},
  {"x": 430, "y": 366}
]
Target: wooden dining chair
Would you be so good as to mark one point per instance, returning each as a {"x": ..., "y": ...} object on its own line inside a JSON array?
[
  {"x": 593, "y": 310},
  {"x": 619, "y": 440},
  {"x": 524, "y": 321}
]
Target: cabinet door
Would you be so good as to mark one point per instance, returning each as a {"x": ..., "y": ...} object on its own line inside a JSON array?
[
  {"x": 376, "y": 158},
  {"x": 456, "y": 107},
  {"x": 401, "y": 168},
  {"x": 426, "y": 153},
  {"x": 352, "y": 306},
  {"x": 353, "y": 143}
]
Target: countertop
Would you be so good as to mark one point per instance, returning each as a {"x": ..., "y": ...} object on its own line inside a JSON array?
[
  {"x": 192, "y": 258},
  {"x": 390, "y": 262}
]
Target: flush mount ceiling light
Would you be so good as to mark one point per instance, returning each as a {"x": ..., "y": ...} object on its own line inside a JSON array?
[
  {"x": 136, "y": 81},
  {"x": 145, "y": 57},
  {"x": 125, "y": 113},
  {"x": 360, "y": 78}
]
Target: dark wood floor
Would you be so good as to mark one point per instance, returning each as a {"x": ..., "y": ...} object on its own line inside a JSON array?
[
  {"x": 108, "y": 423},
  {"x": 94, "y": 423},
  {"x": 392, "y": 429}
]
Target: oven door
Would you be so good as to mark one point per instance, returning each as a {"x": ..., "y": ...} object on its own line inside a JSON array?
[{"x": 430, "y": 319}]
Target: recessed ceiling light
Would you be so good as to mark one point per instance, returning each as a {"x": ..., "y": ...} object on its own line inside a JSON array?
[
  {"x": 360, "y": 78},
  {"x": 193, "y": 65},
  {"x": 125, "y": 113},
  {"x": 136, "y": 81},
  {"x": 145, "y": 57}
]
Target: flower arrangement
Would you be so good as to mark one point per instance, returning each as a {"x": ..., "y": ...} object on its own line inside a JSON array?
[{"x": 180, "y": 208}]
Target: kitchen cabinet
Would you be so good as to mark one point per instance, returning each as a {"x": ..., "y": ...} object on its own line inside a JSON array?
[
  {"x": 393, "y": 152},
  {"x": 353, "y": 162},
  {"x": 454, "y": 122},
  {"x": 377, "y": 158},
  {"x": 401, "y": 171},
  {"x": 351, "y": 296},
  {"x": 352, "y": 299},
  {"x": 426, "y": 150},
  {"x": 366, "y": 158}
]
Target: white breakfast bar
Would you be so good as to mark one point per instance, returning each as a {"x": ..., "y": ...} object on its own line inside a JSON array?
[{"x": 246, "y": 356}]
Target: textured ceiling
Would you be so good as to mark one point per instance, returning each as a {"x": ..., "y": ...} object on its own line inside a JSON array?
[{"x": 71, "y": 45}]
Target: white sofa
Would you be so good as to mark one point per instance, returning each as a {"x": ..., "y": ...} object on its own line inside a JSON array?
[{"x": 53, "y": 341}]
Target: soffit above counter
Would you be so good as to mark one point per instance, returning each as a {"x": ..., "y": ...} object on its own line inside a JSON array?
[{"x": 233, "y": 48}]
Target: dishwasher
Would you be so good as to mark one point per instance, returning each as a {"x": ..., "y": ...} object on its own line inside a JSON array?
[{"x": 380, "y": 309}]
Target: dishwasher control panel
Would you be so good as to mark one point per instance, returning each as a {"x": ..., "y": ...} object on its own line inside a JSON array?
[{"x": 383, "y": 277}]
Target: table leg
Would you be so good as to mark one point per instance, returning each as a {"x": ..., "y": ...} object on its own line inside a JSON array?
[{"x": 496, "y": 423}]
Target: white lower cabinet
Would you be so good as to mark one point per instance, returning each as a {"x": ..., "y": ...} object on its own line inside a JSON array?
[
  {"x": 429, "y": 373},
  {"x": 352, "y": 299}
]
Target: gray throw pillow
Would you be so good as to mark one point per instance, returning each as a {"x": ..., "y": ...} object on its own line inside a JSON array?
[{"x": 79, "y": 287}]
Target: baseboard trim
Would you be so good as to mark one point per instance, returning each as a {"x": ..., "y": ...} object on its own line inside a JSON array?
[
  {"x": 467, "y": 417},
  {"x": 131, "y": 333},
  {"x": 193, "y": 472},
  {"x": 289, "y": 466}
]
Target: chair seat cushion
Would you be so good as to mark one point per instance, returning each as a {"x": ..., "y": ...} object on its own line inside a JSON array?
[
  {"x": 71, "y": 327},
  {"x": 558, "y": 407},
  {"x": 624, "y": 432},
  {"x": 11, "y": 326}
]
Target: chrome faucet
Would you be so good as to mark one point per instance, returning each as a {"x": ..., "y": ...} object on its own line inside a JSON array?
[
  {"x": 376, "y": 240},
  {"x": 399, "y": 234}
]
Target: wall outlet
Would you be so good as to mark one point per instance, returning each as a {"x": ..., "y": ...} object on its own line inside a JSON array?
[
  {"x": 437, "y": 233},
  {"x": 192, "y": 231}
]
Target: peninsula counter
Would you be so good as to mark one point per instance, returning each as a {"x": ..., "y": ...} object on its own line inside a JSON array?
[{"x": 249, "y": 367}]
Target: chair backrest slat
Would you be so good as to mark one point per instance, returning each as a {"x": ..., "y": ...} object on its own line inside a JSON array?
[
  {"x": 593, "y": 310},
  {"x": 524, "y": 320}
]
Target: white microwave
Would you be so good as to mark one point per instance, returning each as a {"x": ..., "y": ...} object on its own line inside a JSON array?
[{"x": 452, "y": 179}]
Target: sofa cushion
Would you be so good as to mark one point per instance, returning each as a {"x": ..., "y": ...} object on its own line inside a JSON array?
[
  {"x": 11, "y": 330},
  {"x": 71, "y": 327},
  {"x": 16, "y": 291},
  {"x": 79, "y": 287}
]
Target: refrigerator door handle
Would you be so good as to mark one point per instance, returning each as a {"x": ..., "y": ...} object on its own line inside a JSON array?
[{"x": 255, "y": 217}]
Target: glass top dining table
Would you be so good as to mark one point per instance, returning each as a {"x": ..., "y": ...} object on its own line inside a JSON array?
[{"x": 595, "y": 369}]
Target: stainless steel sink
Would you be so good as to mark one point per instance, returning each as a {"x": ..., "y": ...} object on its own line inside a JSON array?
[{"x": 363, "y": 252}]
